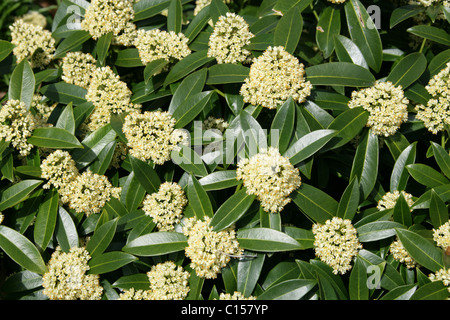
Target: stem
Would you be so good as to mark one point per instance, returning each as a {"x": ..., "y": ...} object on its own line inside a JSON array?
[
  {"x": 423, "y": 45},
  {"x": 218, "y": 91},
  {"x": 314, "y": 11}
]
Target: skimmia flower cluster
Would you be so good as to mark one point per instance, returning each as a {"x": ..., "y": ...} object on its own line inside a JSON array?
[
  {"x": 386, "y": 104},
  {"x": 275, "y": 76},
  {"x": 224, "y": 150}
]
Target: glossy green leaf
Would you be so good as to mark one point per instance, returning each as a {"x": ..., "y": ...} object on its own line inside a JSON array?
[
  {"x": 187, "y": 65},
  {"x": 400, "y": 293},
  {"x": 266, "y": 240},
  {"x": 154, "y": 67},
  {"x": 103, "y": 45},
  {"x": 67, "y": 119},
  {"x": 55, "y": 138},
  {"x": 101, "y": 238},
  {"x": 198, "y": 199},
  {"x": 190, "y": 108},
  {"x": 286, "y": 5},
  {"x": 190, "y": 161},
  {"x": 400, "y": 175},
  {"x": 65, "y": 93},
  {"x": 408, "y": 70},
  {"x": 293, "y": 289},
  {"x": 219, "y": 180},
  {"x": 156, "y": 243},
  {"x": 282, "y": 126},
  {"x": 138, "y": 281},
  {"x": 315, "y": 203},
  {"x": 402, "y": 13},
  {"x": 442, "y": 158},
  {"x": 349, "y": 202},
  {"x": 289, "y": 29},
  {"x": 435, "y": 290},
  {"x": 175, "y": 16},
  {"x": 6, "y": 48},
  {"x": 358, "y": 288},
  {"x": 21, "y": 250},
  {"x": 66, "y": 231},
  {"x": 438, "y": 210},
  {"x": 46, "y": 218},
  {"x": 431, "y": 33},
  {"x": 217, "y": 8},
  {"x": 191, "y": 85},
  {"x": 402, "y": 212},
  {"x": 328, "y": 26},
  {"x": 146, "y": 175},
  {"x": 339, "y": 74},
  {"x": 421, "y": 250},
  {"x": 426, "y": 175},
  {"x": 248, "y": 273},
  {"x": 17, "y": 193},
  {"x": 377, "y": 230},
  {"x": 128, "y": 58},
  {"x": 21, "y": 85},
  {"x": 145, "y": 9},
  {"x": 73, "y": 41},
  {"x": 364, "y": 33},
  {"x": 348, "y": 51},
  {"x": 197, "y": 24},
  {"x": 109, "y": 262},
  {"x": 232, "y": 210},
  {"x": 227, "y": 73}
]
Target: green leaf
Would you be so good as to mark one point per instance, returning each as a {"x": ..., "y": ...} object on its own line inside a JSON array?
[
  {"x": 439, "y": 62},
  {"x": 328, "y": 26},
  {"x": 232, "y": 210},
  {"x": 431, "y": 33},
  {"x": 175, "y": 16},
  {"x": 308, "y": 145},
  {"x": 46, "y": 218},
  {"x": 315, "y": 203},
  {"x": 435, "y": 290},
  {"x": 55, "y": 138},
  {"x": 73, "y": 41},
  {"x": 421, "y": 250},
  {"x": 198, "y": 199},
  {"x": 293, "y": 289},
  {"x": 217, "y": 8},
  {"x": 348, "y": 205},
  {"x": 404, "y": 12},
  {"x": 219, "y": 180},
  {"x": 197, "y": 24},
  {"x": 400, "y": 175},
  {"x": 190, "y": 108},
  {"x": 358, "y": 288},
  {"x": 156, "y": 244},
  {"x": 128, "y": 58},
  {"x": 21, "y": 84},
  {"x": 304, "y": 237},
  {"x": 66, "y": 231},
  {"x": 400, "y": 293},
  {"x": 109, "y": 262},
  {"x": 365, "y": 163},
  {"x": 103, "y": 44},
  {"x": 426, "y": 175},
  {"x": 377, "y": 230},
  {"x": 65, "y": 93},
  {"x": 289, "y": 29},
  {"x": 154, "y": 67},
  {"x": 132, "y": 192},
  {"x": 286, "y": 5},
  {"x": 339, "y": 74},
  {"x": 187, "y": 65},
  {"x": 104, "y": 158},
  {"x": 22, "y": 281},
  {"x": 442, "y": 158},
  {"x": 408, "y": 70},
  {"x": 146, "y": 175},
  {"x": 348, "y": 51},
  {"x": 138, "y": 281},
  {"x": 283, "y": 126},
  {"x": 189, "y": 161},
  {"x": 195, "y": 285},
  {"x": 93, "y": 144},
  {"x": 21, "y": 250},
  {"x": 102, "y": 238},
  {"x": 402, "y": 212},
  {"x": 191, "y": 85},
  {"x": 438, "y": 210},
  {"x": 17, "y": 193},
  {"x": 145, "y": 9},
  {"x": 364, "y": 33},
  {"x": 67, "y": 119},
  {"x": 248, "y": 273},
  {"x": 347, "y": 125},
  {"x": 227, "y": 73},
  {"x": 6, "y": 48},
  {"x": 252, "y": 133},
  {"x": 266, "y": 240}
]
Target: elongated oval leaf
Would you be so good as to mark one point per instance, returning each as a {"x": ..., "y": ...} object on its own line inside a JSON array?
[
  {"x": 348, "y": 51},
  {"x": 55, "y": 138},
  {"x": 442, "y": 158},
  {"x": 408, "y": 70},
  {"x": 188, "y": 110},
  {"x": 109, "y": 261},
  {"x": 266, "y": 240},
  {"x": 431, "y": 33},
  {"x": 198, "y": 199},
  {"x": 6, "y": 48},
  {"x": 227, "y": 73},
  {"x": 328, "y": 26},
  {"x": 22, "y": 82},
  {"x": 399, "y": 175},
  {"x": 283, "y": 126},
  {"x": 289, "y": 29},
  {"x": 101, "y": 238},
  {"x": 187, "y": 65},
  {"x": 293, "y": 289},
  {"x": 339, "y": 74},
  {"x": 156, "y": 243},
  {"x": 65, "y": 93},
  {"x": 191, "y": 85},
  {"x": 66, "y": 232},
  {"x": 21, "y": 250},
  {"x": 219, "y": 180},
  {"x": 46, "y": 219},
  {"x": 377, "y": 230},
  {"x": 348, "y": 205},
  {"x": 438, "y": 210},
  {"x": 189, "y": 160},
  {"x": 17, "y": 193},
  {"x": 146, "y": 175},
  {"x": 74, "y": 40},
  {"x": 426, "y": 175}
]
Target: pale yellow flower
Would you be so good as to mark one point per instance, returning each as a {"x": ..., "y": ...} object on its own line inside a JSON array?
[{"x": 168, "y": 281}]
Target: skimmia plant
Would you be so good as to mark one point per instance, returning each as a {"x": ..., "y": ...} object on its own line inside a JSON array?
[{"x": 210, "y": 150}]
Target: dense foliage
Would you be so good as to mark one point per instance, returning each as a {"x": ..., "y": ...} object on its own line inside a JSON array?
[{"x": 257, "y": 149}]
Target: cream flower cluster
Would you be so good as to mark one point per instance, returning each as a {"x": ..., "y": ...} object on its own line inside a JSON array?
[
  {"x": 133, "y": 294},
  {"x": 436, "y": 114},
  {"x": 400, "y": 254},
  {"x": 32, "y": 42},
  {"x": 336, "y": 243},
  {"x": 2, "y": 217},
  {"x": 78, "y": 68},
  {"x": 165, "y": 206},
  {"x": 215, "y": 123},
  {"x": 269, "y": 176},
  {"x": 42, "y": 111},
  {"x": 150, "y": 135},
  {"x": 109, "y": 95},
  {"x": 441, "y": 275},
  {"x": 16, "y": 125},
  {"x": 337, "y": 1},
  {"x": 231, "y": 34},
  {"x": 389, "y": 200},
  {"x": 386, "y": 104},
  {"x": 275, "y": 76},
  {"x": 67, "y": 278},
  {"x": 168, "y": 281},
  {"x": 88, "y": 192},
  {"x": 235, "y": 296},
  {"x": 105, "y": 16},
  {"x": 160, "y": 44},
  {"x": 200, "y": 4},
  {"x": 209, "y": 250},
  {"x": 34, "y": 17},
  {"x": 442, "y": 235},
  {"x": 59, "y": 169}
]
